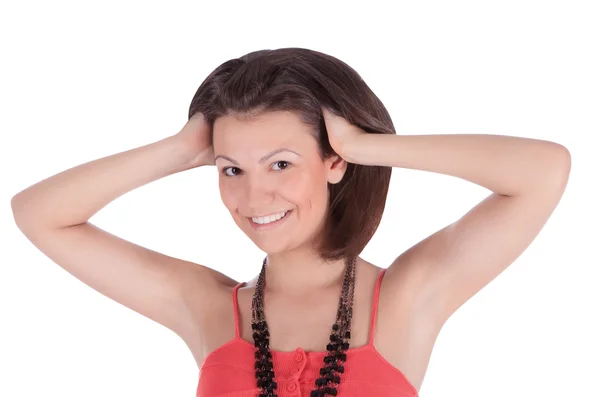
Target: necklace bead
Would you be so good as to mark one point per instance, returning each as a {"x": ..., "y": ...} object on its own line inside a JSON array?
[{"x": 336, "y": 349}]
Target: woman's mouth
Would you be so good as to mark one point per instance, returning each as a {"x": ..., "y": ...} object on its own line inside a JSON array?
[{"x": 265, "y": 223}]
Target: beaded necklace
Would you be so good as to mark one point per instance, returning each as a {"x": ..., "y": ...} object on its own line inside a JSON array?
[{"x": 327, "y": 383}]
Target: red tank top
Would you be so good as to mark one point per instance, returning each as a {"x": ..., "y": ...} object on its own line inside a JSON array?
[{"x": 228, "y": 371}]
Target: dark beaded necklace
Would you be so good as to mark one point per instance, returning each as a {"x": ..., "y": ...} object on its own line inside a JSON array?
[{"x": 327, "y": 383}]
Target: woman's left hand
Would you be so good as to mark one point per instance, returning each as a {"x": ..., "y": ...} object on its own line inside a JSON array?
[{"x": 342, "y": 134}]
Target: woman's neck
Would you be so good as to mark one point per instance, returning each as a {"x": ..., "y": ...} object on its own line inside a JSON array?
[{"x": 302, "y": 272}]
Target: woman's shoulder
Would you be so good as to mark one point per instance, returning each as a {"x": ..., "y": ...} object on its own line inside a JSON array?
[
  {"x": 208, "y": 294},
  {"x": 208, "y": 291}
]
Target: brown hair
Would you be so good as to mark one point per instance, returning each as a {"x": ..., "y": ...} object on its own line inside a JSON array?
[{"x": 302, "y": 81}]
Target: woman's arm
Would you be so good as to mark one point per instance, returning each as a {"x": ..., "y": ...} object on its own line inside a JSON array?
[
  {"x": 75, "y": 195},
  {"x": 506, "y": 165},
  {"x": 53, "y": 214},
  {"x": 527, "y": 178}
]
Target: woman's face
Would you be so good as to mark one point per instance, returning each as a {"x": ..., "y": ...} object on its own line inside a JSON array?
[{"x": 269, "y": 166}]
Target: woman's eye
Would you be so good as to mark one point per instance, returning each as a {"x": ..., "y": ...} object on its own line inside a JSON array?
[
  {"x": 230, "y": 168},
  {"x": 284, "y": 162}
]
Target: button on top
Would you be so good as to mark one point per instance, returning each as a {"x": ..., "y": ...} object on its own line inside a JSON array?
[
  {"x": 291, "y": 387},
  {"x": 299, "y": 356}
]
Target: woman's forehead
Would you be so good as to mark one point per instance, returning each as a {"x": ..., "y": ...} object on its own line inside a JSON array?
[
  {"x": 270, "y": 130},
  {"x": 273, "y": 121}
]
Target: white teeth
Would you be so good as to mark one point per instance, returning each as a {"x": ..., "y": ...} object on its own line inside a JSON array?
[{"x": 268, "y": 219}]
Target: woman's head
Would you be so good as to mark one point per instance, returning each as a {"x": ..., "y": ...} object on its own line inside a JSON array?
[{"x": 270, "y": 100}]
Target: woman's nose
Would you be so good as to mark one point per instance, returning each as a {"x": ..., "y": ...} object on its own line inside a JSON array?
[{"x": 258, "y": 193}]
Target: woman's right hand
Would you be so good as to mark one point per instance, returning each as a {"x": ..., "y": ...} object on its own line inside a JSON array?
[{"x": 196, "y": 137}]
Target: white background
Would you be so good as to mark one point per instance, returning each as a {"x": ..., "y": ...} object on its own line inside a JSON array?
[{"x": 83, "y": 80}]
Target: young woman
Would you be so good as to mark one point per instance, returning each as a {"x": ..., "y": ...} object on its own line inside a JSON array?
[{"x": 304, "y": 151}]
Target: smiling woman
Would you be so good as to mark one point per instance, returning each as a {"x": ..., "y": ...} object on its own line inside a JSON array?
[
  {"x": 304, "y": 152},
  {"x": 270, "y": 101},
  {"x": 291, "y": 177},
  {"x": 309, "y": 209}
]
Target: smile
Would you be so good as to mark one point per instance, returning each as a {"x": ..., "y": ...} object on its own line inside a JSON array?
[{"x": 266, "y": 223}]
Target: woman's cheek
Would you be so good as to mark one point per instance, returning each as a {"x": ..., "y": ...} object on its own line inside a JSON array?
[
  {"x": 297, "y": 187},
  {"x": 230, "y": 193}
]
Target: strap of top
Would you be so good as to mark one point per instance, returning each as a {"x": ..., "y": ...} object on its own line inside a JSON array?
[
  {"x": 375, "y": 305},
  {"x": 235, "y": 309}
]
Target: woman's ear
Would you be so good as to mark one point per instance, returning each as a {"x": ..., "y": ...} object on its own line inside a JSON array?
[{"x": 336, "y": 168}]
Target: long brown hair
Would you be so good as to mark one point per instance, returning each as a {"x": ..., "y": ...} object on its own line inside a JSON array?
[{"x": 302, "y": 81}]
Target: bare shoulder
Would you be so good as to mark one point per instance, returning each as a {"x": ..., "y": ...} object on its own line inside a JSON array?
[
  {"x": 208, "y": 279},
  {"x": 208, "y": 302},
  {"x": 206, "y": 292},
  {"x": 399, "y": 297},
  {"x": 405, "y": 331},
  {"x": 402, "y": 294}
]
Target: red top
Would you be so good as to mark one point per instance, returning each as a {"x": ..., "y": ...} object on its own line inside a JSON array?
[{"x": 228, "y": 371}]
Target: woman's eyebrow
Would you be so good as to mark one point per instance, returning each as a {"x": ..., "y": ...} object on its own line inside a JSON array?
[{"x": 263, "y": 159}]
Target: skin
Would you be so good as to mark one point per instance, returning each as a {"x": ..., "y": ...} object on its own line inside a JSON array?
[
  {"x": 302, "y": 290},
  {"x": 425, "y": 284},
  {"x": 286, "y": 181},
  {"x": 422, "y": 287}
]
